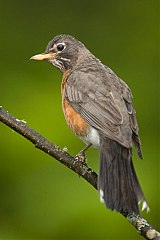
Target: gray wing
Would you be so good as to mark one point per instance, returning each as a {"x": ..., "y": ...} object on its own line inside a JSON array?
[
  {"x": 100, "y": 101},
  {"x": 132, "y": 118}
]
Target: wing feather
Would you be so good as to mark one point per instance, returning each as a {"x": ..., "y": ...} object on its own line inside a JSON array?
[{"x": 102, "y": 104}]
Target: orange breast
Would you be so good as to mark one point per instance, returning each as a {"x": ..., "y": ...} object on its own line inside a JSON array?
[{"x": 77, "y": 124}]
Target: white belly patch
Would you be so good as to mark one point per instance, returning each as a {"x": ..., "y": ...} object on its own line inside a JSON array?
[{"x": 92, "y": 137}]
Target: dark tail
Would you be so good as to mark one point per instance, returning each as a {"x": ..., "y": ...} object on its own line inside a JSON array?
[{"x": 118, "y": 184}]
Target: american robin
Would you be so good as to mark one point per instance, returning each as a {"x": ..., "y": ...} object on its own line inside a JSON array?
[{"x": 98, "y": 108}]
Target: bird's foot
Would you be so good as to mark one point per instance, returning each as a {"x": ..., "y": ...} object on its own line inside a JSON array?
[{"x": 81, "y": 157}]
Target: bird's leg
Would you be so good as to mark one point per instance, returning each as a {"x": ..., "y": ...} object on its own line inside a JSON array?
[
  {"x": 82, "y": 152},
  {"x": 81, "y": 155}
]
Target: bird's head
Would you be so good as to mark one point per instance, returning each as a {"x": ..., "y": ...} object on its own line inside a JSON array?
[{"x": 63, "y": 52}]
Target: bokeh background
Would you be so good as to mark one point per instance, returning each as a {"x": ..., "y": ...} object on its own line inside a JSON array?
[{"x": 40, "y": 198}]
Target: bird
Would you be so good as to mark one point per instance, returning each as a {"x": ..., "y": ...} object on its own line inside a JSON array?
[{"x": 98, "y": 108}]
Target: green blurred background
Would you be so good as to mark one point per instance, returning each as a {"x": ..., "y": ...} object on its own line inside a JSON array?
[{"x": 40, "y": 198}]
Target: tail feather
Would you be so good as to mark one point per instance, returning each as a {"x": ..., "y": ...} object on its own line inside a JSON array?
[{"x": 118, "y": 184}]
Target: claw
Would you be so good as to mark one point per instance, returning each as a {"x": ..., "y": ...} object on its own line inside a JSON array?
[{"x": 81, "y": 157}]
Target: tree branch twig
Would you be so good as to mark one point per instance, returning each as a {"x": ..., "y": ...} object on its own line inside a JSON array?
[{"x": 75, "y": 164}]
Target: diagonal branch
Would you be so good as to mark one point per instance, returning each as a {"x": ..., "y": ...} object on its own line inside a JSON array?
[{"x": 75, "y": 164}]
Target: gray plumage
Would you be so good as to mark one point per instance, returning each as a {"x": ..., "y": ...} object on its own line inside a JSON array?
[{"x": 105, "y": 101}]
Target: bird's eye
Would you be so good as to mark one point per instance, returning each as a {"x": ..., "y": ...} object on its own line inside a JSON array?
[{"x": 60, "y": 46}]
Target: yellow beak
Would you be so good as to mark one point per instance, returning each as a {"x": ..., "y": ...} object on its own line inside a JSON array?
[{"x": 43, "y": 56}]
